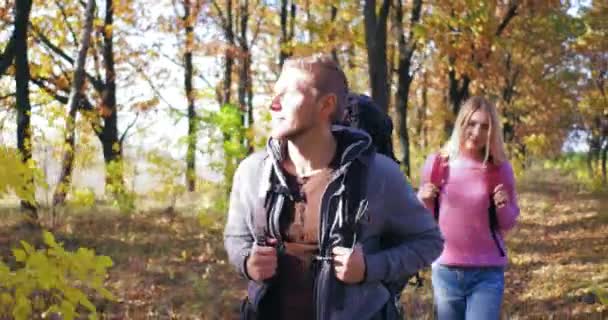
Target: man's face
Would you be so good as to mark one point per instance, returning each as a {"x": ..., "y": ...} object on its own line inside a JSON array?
[{"x": 294, "y": 108}]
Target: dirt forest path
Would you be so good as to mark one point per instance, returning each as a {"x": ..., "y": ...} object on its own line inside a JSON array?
[
  {"x": 169, "y": 267},
  {"x": 559, "y": 251}
]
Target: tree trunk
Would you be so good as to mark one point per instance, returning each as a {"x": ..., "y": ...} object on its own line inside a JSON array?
[
  {"x": 458, "y": 93},
  {"x": 604, "y": 156},
  {"x": 22, "y": 80},
  {"x": 590, "y": 162},
  {"x": 74, "y": 99},
  {"x": 334, "y": 51},
  {"x": 250, "y": 106},
  {"x": 287, "y": 30},
  {"x": 192, "y": 120},
  {"x": 112, "y": 147},
  {"x": 459, "y": 90},
  {"x": 508, "y": 93},
  {"x": 392, "y": 56},
  {"x": 406, "y": 52},
  {"x": 228, "y": 55},
  {"x": 603, "y": 131},
  {"x": 309, "y": 22},
  {"x": 244, "y": 74},
  {"x": 421, "y": 127},
  {"x": 375, "y": 40},
  {"x": 593, "y": 154}
]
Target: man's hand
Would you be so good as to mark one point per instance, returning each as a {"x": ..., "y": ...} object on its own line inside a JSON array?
[
  {"x": 349, "y": 265},
  {"x": 261, "y": 263}
]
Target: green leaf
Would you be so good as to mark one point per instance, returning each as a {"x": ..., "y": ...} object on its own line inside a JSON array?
[
  {"x": 23, "y": 309},
  {"x": 6, "y": 299},
  {"x": 49, "y": 239},
  {"x": 87, "y": 303},
  {"x": 67, "y": 310},
  {"x": 20, "y": 255},
  {"x": 420, "y": 32},
  {"x": 106, "y": 294},
  {"x": 602, "y": 295},
  {"x": 72, "y": 294},
  {"x": 104, "y": 261},
  {"x": 28, "y": 247},
  {"x": 38, "y": 261}
]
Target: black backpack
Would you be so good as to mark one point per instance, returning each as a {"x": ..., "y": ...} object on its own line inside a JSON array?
[{"x": 362, "y": 113}]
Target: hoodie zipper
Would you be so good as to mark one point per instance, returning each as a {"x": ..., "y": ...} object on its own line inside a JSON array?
[
  {"x": 324, "y": 233},
  {"x": 321, "y": 257},
  {"x": 363, "y": 145}
]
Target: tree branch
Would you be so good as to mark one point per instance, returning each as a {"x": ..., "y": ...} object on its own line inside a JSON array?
[
  {"x": 508, "y": 17},
  {"x": 414, "y": 20},
  {"x": 65, "y": 18},
  {"x": 53, "y": 93},
  {"x": 150, "y": 83},
  {"x": 257, "y": 30},
  {"x": 223, "y": 19},
  {"x": 177, "y": 63},
  {"x": 6, "y": 58},
  {"x": 124, "y": 134},
  {"x": 97, "y": 84},
  {"x": 4, "y": 97},
  {"x": 47, "y": 42},
  {"x": 84, "y": 104}
]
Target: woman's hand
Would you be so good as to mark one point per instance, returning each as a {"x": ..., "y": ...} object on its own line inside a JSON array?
[
  {"x": 501, "y": 197},
  {"x": 428, "y": 192}
]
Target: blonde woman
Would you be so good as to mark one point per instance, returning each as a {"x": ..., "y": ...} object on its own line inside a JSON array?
[{"x": 470, "y": 188}]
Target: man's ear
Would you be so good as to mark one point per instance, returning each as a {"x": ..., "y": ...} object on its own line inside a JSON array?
[{"x": 329, "y": 104}]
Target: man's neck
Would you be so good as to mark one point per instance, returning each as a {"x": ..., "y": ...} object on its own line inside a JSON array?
[{"x": 310, "y": 153}]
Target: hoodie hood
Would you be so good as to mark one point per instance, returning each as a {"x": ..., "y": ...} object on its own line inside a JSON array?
[{"x": 355, "y": 144}]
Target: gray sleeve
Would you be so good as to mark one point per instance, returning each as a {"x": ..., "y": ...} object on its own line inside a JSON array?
[
  {"x": 238, "y": 238},
  {"x": 418, "y": 239}
]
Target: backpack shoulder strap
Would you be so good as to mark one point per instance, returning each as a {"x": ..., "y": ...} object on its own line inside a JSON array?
[
  {"x": 269, "y": 203},
  {"x": 260, "y": 213},
  {"x": 492, "y": 215},
  {"x": 356, "y": 200},
  {"x": 439, "y": 171}
]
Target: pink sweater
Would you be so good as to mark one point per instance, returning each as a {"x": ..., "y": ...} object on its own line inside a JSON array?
[{"x": 463, "y": 211}]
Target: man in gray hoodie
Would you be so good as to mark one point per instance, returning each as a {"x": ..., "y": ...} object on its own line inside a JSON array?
[{"x": 321, "y": 225}]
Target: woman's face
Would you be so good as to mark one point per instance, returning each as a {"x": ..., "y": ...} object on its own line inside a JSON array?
[{"x": 475, "y": 133}]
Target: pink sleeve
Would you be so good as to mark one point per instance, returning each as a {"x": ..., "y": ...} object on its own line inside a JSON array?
[{"x": 507, "y": 215}]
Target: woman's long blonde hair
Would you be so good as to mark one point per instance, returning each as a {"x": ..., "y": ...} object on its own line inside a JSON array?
[{"x": 495, "y": 153}]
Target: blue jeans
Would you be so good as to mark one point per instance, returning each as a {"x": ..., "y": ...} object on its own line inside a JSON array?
[{"x": 471, "y": 293}]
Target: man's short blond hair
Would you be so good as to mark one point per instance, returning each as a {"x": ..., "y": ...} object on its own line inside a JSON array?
[{"x": 328, "y": 78}]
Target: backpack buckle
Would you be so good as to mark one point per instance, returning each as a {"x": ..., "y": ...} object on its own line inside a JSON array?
[{"x": 318, "y": 257}]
